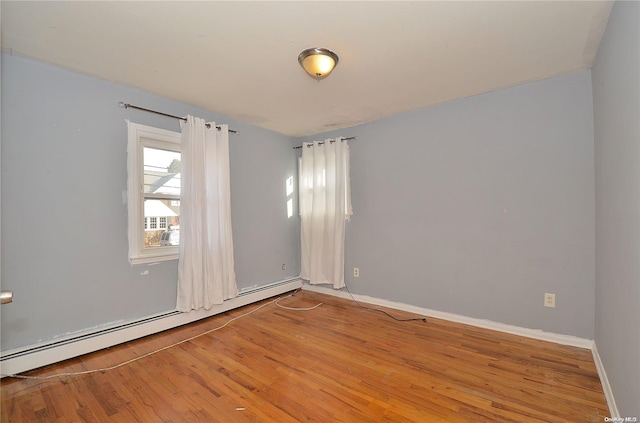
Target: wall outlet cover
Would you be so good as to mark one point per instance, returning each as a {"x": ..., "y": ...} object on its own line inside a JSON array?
[{"x": 549, "y": 300}]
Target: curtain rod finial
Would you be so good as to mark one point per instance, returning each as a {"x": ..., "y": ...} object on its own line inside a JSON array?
[{"x": 122, "y": 105}]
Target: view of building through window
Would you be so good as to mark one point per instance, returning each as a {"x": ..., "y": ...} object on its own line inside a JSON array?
[{"x": 161, "y": 197}]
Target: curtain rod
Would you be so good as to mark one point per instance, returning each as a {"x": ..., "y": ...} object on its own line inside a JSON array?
[
  {"x": 124, "y": 105},
  {"x": 322, "y": 142}
]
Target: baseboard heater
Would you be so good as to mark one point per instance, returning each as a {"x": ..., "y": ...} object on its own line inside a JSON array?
[{"x": 28, "y": 358}]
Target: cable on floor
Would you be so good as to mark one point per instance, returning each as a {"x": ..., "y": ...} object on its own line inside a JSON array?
[
  {"x": 124, "y": 363},
  {"x": 296, "y": 308},
  {"x": 412, "y": 319}
]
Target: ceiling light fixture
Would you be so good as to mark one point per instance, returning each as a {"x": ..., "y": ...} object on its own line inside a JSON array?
[{"x": 318, "y": 62}]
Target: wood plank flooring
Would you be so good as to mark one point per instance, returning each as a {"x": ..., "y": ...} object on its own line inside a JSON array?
[{"x": 335, "y": 363}]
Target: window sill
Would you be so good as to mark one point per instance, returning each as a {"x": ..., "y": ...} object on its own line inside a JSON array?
[{"x": 152, "y": 258}]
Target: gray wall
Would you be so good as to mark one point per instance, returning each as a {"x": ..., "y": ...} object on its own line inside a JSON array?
[
  {"x": 64, "y": 222},
  {"x": 616, "y": 98},
  {"x": 480, "y": 206}
]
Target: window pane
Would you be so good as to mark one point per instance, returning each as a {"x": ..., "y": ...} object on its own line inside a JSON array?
[
  {"x": 161, "y": 171},
  {"x": 162, "y": 223}
]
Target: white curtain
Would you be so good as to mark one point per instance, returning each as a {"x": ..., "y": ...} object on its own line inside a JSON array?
[
  {"x": 206, "y": 274},
  {"x": 325, "y": 205}
]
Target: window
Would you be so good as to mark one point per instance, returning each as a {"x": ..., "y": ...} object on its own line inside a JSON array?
[
  {"x": 318, "y": 176},
  {"x": 156, "y": 222},
  {"x": 154, "y": 194}
]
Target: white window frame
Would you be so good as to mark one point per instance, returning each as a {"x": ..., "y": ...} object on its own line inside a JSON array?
[{"x": 141, "y": 136}]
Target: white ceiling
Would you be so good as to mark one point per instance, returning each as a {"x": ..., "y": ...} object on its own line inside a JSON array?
[{"x": 240, "y": 58}]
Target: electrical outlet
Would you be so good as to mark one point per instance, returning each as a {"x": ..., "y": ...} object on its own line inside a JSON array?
[
  {"x": 549, "y": 300},
  {"x": 284, "y": 266},
  {"x": 356, "y": 272}
]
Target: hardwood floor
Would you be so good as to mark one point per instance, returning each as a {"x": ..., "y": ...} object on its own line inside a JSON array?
[{"x": 335, "y": 363}]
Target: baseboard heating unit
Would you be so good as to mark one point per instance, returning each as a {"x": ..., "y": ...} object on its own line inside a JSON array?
[{"x": 31, "y": 357}]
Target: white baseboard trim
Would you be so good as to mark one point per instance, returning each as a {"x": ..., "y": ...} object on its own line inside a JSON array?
[
  {"x": 604, "y": 380},
  {"x": 23, "y": 359},
  {"x": 486, "y": 324}
]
